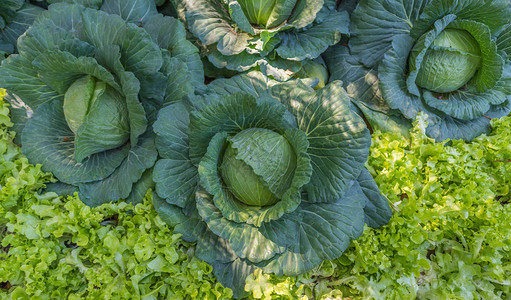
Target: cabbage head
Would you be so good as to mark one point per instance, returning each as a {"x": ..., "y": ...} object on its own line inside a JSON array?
[
  {"x": 267, "y": 175},
  {"x": 85, "y": 88},
  {"x": 314, "y": 69},
  {"x": 276, "y": 35},
  {"x": 446, "y": 58}
]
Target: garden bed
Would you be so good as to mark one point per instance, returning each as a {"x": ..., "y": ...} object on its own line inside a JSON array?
[{"x": 449, "y": 236}]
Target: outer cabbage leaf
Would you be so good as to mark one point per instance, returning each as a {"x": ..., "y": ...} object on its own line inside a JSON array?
[
  {"x": 86, "y": 3},
  {"x": 377, "y": 210},
  {"x": 493, "y": 14},
  {"x": 140, "y": 188},
  {"x": 504, "y": 41},
  {"x": 119, "y": 184},
  {"x": 133, "y": 11},
  {"x": 170, "y": 34},
  {"x": 374, "y": 24},
  {"x": 314, "y": 41},
  {"x": 317, "y": 232},
  {"x": 362, "y": 85},
  {"x": 176, "y": 177},
  {"x": 15, "y": 18}
]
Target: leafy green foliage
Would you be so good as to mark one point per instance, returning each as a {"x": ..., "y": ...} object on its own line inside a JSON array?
[
  {"x": 449, "y": 236},
  {"x": 258, "y": 179},
  {"x": 115, "y": 251},
  {"x": 444, "y": 58},
  {"x": 59, "y": 248}
]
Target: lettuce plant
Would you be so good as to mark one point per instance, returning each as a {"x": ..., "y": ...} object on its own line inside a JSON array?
[
  {"x": 267, "y": 175},
  {"x": 85, "y": 88},
  {"x": 449, "y": 59},
  {"x": 276, "y": 35}
]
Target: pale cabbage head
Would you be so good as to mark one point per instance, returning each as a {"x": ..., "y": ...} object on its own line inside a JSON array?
[
  {"x": 267, "y": 13},
  {"x": 316, "y": 70},
  {"x": 451, "y": 61},
  {"x": 263, "y": 147}
]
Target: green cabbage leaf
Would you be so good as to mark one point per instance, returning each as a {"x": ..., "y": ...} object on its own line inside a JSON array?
[{"x": 15, "y": 17}]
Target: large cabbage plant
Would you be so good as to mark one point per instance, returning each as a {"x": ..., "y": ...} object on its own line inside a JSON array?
[
  {"x": 446, "y": 58},
  {"x": 263, "y": 174},
  {"x": 272, "y": 35},
  {"x": 85, "y": 88}
]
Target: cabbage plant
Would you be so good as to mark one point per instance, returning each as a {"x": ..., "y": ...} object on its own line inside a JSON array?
[
  {"x": 85, "y": 88},
  {"x": 446, "y": 58},
  {"x": 267, "y": 175},
  {"x": 276, "y": 35}
]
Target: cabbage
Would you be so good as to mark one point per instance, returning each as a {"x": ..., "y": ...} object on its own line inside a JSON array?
[
  {"x": 273, "y": 36},
  {"x": 258, "y": 148},
  {"x": 448, "y": 59},
  {"x": 85, "y": 90},
  {"x": 313, "y": 69},
  {"x": 265, "y": 175}
]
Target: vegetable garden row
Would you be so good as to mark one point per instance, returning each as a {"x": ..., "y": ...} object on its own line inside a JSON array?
[{"x": 298, "y": 149}]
